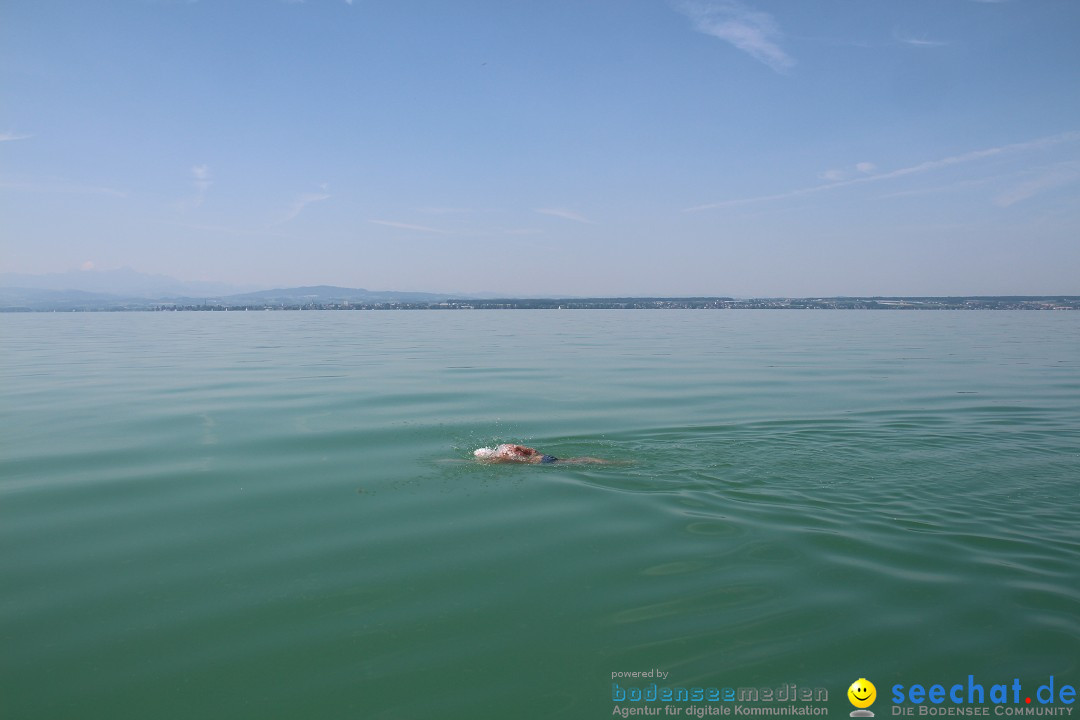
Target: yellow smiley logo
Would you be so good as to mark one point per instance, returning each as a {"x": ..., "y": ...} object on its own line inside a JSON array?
[{"x": 862, "y": 693}]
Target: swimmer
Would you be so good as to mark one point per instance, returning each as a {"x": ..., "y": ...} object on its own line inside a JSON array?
[{"x": 507, "y": 453}]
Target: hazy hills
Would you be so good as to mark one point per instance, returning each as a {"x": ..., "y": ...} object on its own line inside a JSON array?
[{"x": 127, "y": 289}]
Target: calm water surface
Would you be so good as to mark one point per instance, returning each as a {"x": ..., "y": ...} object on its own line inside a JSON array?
[{"x": 271, "y": 515}]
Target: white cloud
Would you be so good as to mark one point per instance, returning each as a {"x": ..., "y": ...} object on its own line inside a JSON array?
[
  {"x": 200, "y": 177},
  {"x": 931, "y": 165},
  {"x": 958, "y": 186},
  {"x": 751, "y": 31},
  {"x": 406, "y": 226},
  {"x": 9, "y": 136},
  {"x": 840, "y": 174},
  {"x": 500, "y": 231},
  {"x": 446, "y": 211},
  {"x": 918, "y": 42},
  {"x": 301, "y": 202},
  {"x": 1044, "y": 179},
  {"x": 470, "y": 232},
  {"x": 565, "y": 215}
]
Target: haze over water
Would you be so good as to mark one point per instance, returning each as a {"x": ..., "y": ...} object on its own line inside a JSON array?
[{"x": 255, "y": 515}]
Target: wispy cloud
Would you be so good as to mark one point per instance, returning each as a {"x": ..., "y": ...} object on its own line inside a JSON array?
[
  {"x": 931, "y": 165},
  {"x": 1020, "y": 185},
  {"x": 301, "y": 202},
  {"x": 839, "y": 174},
  {"x": 752, "y": 31},
  {"x": 501, "y": 231},
  {"x": 565, "y": 215},
  {"x": 1041, "y": 180},
  {"x": 446, "y": 211},
  {"x": 9, "y": 136},
  {"x": 917, "y": 41},
  {"x": 952, "y": 187},
  {"x": 200, "y": 178},
  {"x": 407, "y": 226},
  {"x": 461, "y": 232}
]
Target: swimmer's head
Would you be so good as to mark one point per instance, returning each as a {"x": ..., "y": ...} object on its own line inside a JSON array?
[{"x": 508, "y": 451}]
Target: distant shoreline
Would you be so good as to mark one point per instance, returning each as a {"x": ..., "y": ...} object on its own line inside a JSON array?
[{"x": 1023, "y": 302}]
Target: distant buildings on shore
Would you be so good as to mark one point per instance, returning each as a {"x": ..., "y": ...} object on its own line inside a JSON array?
[
  {"x": 1066, "y": 302},
  {"x": 698, "y": 303}
]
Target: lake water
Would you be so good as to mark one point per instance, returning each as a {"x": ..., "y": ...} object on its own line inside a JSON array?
[{"x": 273, "y": 515}]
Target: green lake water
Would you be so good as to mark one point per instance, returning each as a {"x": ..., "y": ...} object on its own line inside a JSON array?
[{"x": 275, "y": 515}]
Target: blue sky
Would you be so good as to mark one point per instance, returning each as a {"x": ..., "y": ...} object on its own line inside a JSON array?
[{"x": 585, "y": 147}]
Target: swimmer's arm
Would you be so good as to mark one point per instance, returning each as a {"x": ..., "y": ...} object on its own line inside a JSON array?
[
  {"x": 560, "y": 461},
  {"x": 593, "y": 461}
]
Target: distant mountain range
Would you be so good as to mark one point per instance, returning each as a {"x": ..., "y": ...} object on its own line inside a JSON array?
[
  {"x": 127, "y": 289},
  {"x": 329, "y": 295}
]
